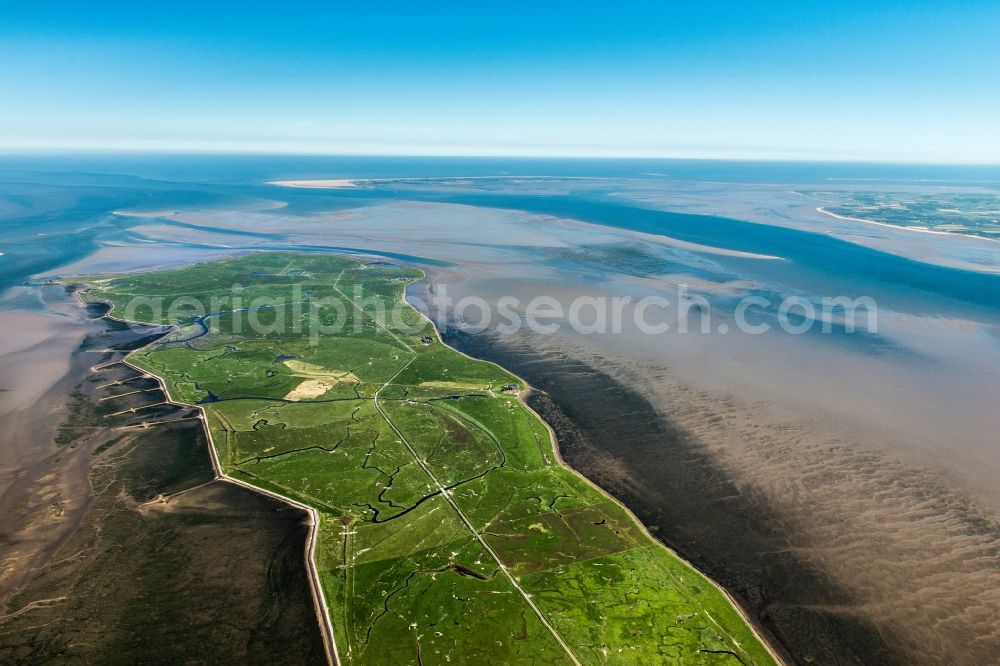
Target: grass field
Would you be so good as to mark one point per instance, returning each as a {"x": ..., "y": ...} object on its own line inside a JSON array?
[{"x": 449, "y": 530}]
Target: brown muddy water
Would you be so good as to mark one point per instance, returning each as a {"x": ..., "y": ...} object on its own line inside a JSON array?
[{"x": 807, "y": 563}]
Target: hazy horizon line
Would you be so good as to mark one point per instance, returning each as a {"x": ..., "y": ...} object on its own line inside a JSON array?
[{"x": 15, "y": 151}]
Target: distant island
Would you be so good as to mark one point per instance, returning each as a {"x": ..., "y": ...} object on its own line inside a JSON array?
[
  {"x": 328, "y": 183},
  {"x": 966, "y": 213}
]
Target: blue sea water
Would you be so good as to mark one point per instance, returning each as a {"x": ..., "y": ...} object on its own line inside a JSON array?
[{"x": 57, "y": 208}]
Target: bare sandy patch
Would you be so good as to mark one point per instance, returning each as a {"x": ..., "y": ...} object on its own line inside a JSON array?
[
  {"x": 310, "y": 388},
  {"x": 320, "y": 380},
  {"x": 315, "y": 184},
  {"x": 144, "y": 213}
]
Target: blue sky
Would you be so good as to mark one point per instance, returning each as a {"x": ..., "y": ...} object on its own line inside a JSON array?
[{"x": 903, "y": 81}]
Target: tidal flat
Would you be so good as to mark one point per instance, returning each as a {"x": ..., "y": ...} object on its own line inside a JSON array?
[{"x": 119, "y": 544}]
